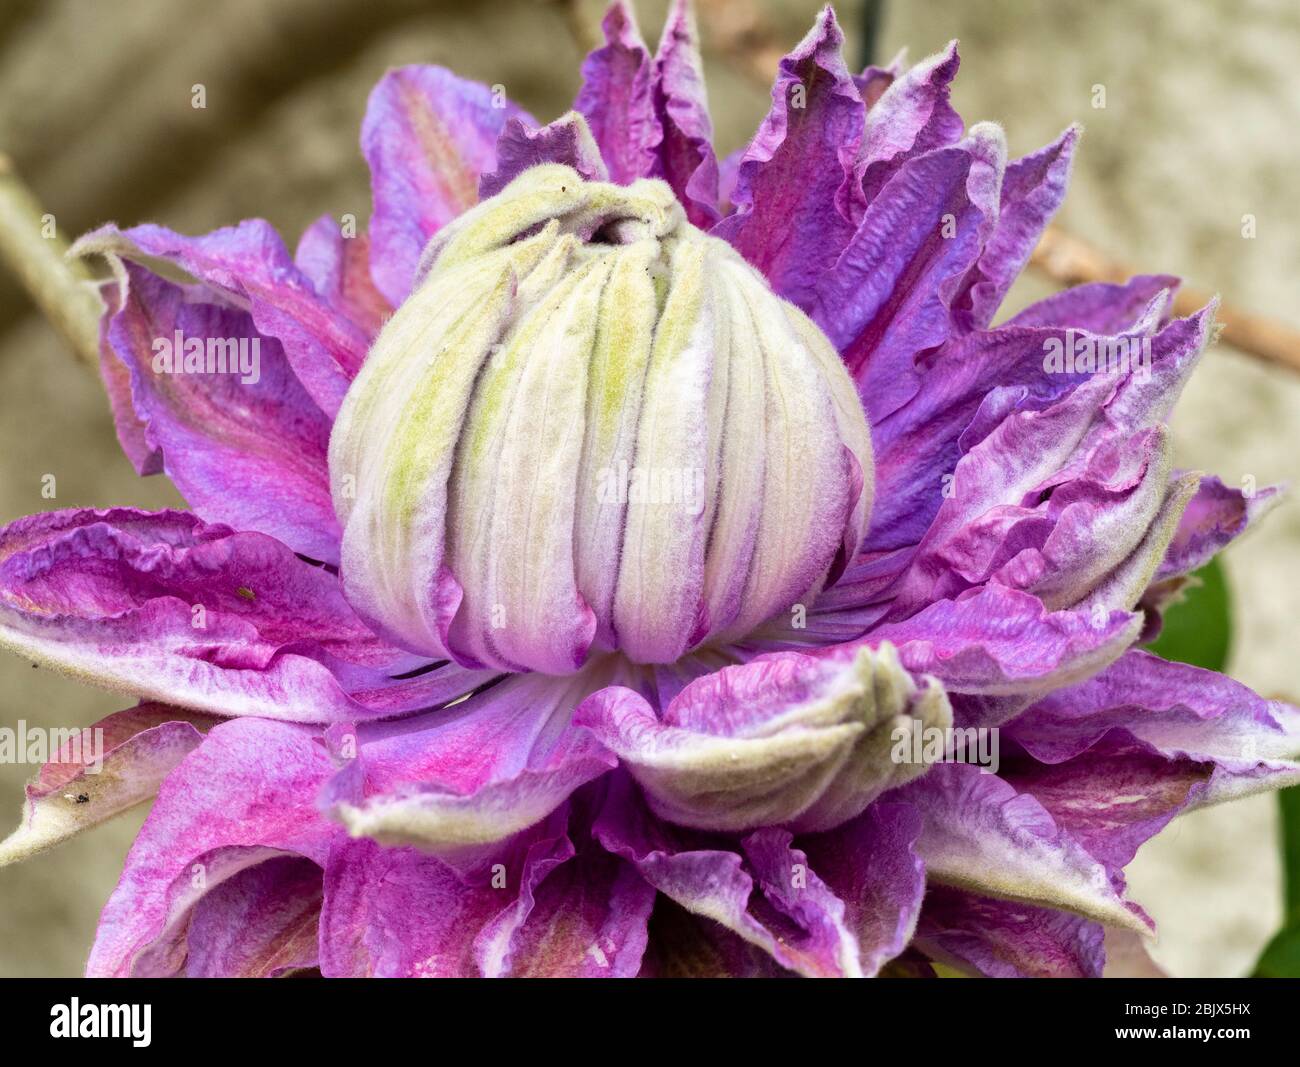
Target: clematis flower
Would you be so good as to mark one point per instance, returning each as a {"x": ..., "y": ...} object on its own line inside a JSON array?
[{"x": 565, "y": 592}]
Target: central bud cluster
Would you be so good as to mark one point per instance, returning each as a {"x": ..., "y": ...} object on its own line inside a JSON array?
[{"x": 592, "y": 427}]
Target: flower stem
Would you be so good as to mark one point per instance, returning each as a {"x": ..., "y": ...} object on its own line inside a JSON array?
[{"x": 30, "y": 247}]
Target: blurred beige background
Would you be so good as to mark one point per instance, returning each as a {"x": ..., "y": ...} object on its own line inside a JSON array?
[{"x": 1203, "y": 101}]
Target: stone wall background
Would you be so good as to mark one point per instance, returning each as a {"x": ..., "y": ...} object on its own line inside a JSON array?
[{"x": 1203, "y": 101}]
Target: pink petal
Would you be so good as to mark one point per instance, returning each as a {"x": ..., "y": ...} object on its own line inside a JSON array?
[
  {"x": 104, "y": 770},
  {"x": 249, "y": 265},
  {"x": 244, "y": 796},
  {"x": 471, "y": 775},
  {"x": 686, "y": 159},
  {"x": 164, "y": 606},
  {"x": 262, "y": 922},
  {"x": 617, "y": 98},
  {"x": 218, "y": 434}
]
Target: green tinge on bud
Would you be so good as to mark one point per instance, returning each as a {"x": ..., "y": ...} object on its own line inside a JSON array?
[{"x": 592, "y": 427}]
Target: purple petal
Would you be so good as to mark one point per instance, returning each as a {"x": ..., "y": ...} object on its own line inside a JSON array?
[
  {"x": 429, "y": 138},
  {"x": 1216, "y": 516},
  {"x": 589, "y": 917},
  {"x": 1003, "y": 939},
  {"x": 1022, "y": 464},
  {"x": 144, "y": 457},
  {"x": 1032, "y": 190},
  {"x": 1114, "y": 796},
  {"x": 983, "y": 836},
  {"x": 162, "y": 605},
  {"x": 794, "y": 193},
  {"x": 685, "y": 156},
  {"x": 567, "y": 140},
  {"x": 765, "y": 892},
  {"x": 260, "y": 923},
  {"x": 1001, "y": 641},
  {"x": 871, "y": 864},
  {"x": 245, "y": 795},
  {"x": 102, "y": 771},
  {"x": 1178, "y": 711},
  {"x": 471, "y": 775},
  {"x": 545, "y": 908},
  {"x": 339, "y": 268},
  {"x": 398, "y": 912},
  {"x": 921, "y": 442},
  {"x": 1099, "y": 307},
  {"x": 617, "y": 98},
  {"x": 685, "y": 945},
  {"x": 886, "y": 302},
  {"x": 249, "y": 265},
  {"x": 220, "y": 434},
  {"x": 911, "y": 115}
]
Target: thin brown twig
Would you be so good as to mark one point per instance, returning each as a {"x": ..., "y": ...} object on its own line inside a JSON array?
[
  {"x": 31, "y": 248},
  {"x": 1068, "y": 260}
]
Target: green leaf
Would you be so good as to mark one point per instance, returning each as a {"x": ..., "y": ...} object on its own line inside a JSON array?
[
  {"x": 1199, "y": 629},
  {"x": 1281, "y": 959}
]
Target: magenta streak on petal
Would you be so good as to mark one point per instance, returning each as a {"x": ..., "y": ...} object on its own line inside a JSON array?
[
  {"x": 243, "y": 796},
  {"x": 338, "y": 266},
  {"x": 245, "y": 449},
  {"x": 429, "y": 136},
  {"x": 685, "y": 157},
  {"x": 911, "y": 115},
  {"x": 617, "y": 98}
]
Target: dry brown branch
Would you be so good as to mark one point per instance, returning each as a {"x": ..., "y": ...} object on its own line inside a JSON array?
[
  {"x": 1068, "y": 260},
  {"x": 31, "y": 249}
]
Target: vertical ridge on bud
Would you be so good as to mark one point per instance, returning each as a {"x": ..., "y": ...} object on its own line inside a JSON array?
[
  {"x": 661, "y": 573},
  {"x": 617, "y": 380},
  {"x": 591, "y": 428}
]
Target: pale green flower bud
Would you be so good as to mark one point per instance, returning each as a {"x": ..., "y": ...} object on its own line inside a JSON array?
[{"x": 592, "y": 427}]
